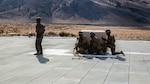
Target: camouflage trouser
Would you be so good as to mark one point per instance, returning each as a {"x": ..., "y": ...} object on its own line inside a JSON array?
[
  {"x": 83, "y": 50},
  {"x": 112, "y": 47},
  {"x": 96, "y": 51},
  {"x": 93, "y": 50},
  {"x": 38, "y": 45}
]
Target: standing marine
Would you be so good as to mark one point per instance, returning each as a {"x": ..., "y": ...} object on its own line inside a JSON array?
[{"x": 40, "y": 29}]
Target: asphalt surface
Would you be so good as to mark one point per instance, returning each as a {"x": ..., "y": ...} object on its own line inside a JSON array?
[{"x": 18, "y": 65}]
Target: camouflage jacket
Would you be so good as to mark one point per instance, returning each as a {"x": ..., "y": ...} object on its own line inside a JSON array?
[{"x": 40, "y": 29}]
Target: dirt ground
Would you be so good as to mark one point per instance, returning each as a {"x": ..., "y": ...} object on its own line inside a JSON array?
[{"x": 120, "y": 32}]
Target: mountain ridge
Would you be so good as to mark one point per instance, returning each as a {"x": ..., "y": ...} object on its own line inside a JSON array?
[{"x": 118, "y": 12}]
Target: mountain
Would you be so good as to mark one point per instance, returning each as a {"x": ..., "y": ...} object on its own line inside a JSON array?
[{"x": 107, "y": 12}]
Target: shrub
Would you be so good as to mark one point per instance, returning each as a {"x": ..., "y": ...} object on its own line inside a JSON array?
[
  {"x": 64, "y": 34},
  {"x": 1, "y": 31},
  {"x": 51, "y": 34}
]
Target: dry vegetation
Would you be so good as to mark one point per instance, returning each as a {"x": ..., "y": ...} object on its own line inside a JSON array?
[{"x": 9, "y": 29}]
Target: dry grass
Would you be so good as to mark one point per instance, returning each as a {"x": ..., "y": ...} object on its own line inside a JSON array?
[{"x": 119, "y": 31}]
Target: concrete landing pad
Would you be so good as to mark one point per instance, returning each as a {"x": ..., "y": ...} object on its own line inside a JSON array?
[{"x": 18, "y": 65}]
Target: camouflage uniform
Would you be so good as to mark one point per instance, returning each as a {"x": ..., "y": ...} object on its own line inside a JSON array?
[
  {"x": 40, "y": 31},
  {"x": 82, "y": 45},
  {"x": 110, "y": 42},
  {"x": 95, "y": 45}
]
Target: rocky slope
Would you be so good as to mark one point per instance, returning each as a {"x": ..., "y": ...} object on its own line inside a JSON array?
[{"x": 107, "y": 12}]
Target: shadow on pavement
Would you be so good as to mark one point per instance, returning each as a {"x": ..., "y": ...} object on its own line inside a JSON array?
[
  {"x": 118, "y": 57},
  {"x": 102, "y": 58},
  {"x": 42, "y": 59},
  {"x": 121, "y": 58},
  {"x": 88, "y": 57}
]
